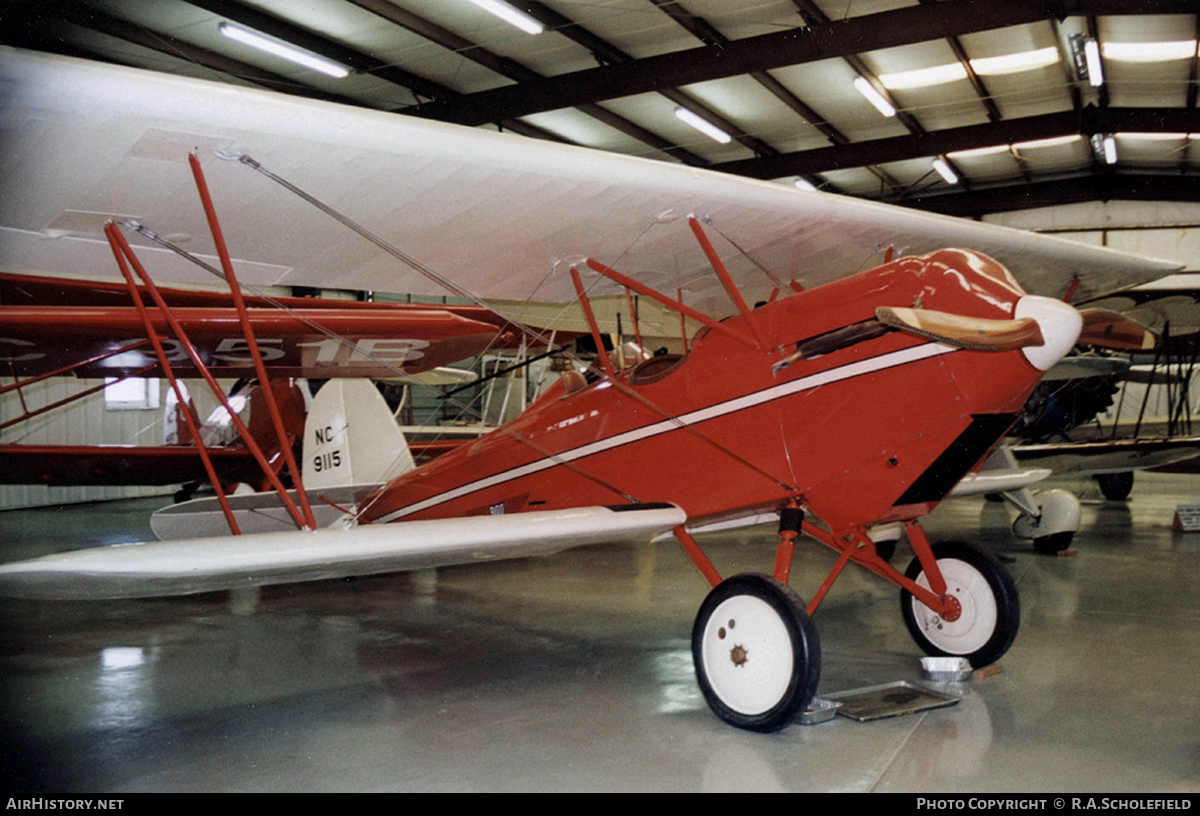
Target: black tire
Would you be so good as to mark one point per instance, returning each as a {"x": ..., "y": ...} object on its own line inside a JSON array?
[
  {"x": 886, "y": 549},
  {"x": 1116, "y": 486},
  {"x": 756, "y": 653},
  {"x": 990, "y": 609},
  {"x": 1054, "y": 543}
]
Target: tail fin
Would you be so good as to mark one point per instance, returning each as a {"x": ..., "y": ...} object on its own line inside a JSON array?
[{"x": 351, "y": 438}]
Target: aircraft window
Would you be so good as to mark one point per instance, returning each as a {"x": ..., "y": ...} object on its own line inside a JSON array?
[
  {"x": 654, "y": 369},
  {"x": 134, "y": 393}
]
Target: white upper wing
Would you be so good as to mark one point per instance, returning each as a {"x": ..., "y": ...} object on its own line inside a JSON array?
[{"x": 494, "y": 212}]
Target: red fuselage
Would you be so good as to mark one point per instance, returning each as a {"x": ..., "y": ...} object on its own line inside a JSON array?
[{"x": 874, "y": 425}]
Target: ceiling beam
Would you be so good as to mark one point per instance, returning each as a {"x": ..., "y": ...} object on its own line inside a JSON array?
[
  {"x": 813, "y": 14},
  {"x": 841, "y": 38},
  {"x": 610, "y": 56},
  {"x": 510, "y": 68},
  {"x": 319, "y": 44},
  {"x": 36, "y": 28},
  {"x": 985, "y": 96},
  {"x": 704, "y": 31},
  {"x": 35, "y": 17},
  {"x": 1058, "y": 192}
]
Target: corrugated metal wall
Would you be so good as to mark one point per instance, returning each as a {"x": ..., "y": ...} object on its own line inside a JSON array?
[
  {"x": 85, "y": 421},
  {"x": 1160, "y": 230}
]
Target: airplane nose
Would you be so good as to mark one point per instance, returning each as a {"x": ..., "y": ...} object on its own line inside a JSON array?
[{"x": 1060, "y": 323}]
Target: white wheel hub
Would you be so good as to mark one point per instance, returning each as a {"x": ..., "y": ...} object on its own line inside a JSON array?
[
  {"x": 977, "y": 617},
  {"x": 747, "y": 652}
]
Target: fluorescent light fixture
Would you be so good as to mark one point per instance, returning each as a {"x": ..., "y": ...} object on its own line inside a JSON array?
[
  {"x": 986, "y": 66},
  {"x": 1091, "y": 51},
  {"x": 1054, "y": 141},
  {"x": 1012, "y": 63},
  {"x": 287, "y": 52},
  {"x": 511, "y": 15},
  {"x": 805, "y": 185},
  {"x": 1105, "y": 147},
  {"x": 977, "y": 152},
  {"x": 703, "y": 125},
  {"x": 1110, "y": 150},
  {"x": 874, "y": 97},
  {"x": 924, "y": 77},
  {"x": 1149, "y": 51},
  {"x": 1153, "y": 137},
  {"x": 945, "y": 172}
]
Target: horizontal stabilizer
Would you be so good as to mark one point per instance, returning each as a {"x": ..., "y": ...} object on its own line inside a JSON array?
[
  {"x": 255, "y": 512},
  {"x": 442, "y": 375},
  {"x": 968, "y": 333},
  {"x": 230, "y": 562}
]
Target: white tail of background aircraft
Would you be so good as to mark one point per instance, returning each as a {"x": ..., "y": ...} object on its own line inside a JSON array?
[{"x": 351, "y": 445}]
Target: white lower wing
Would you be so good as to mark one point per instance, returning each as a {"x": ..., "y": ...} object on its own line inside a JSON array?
[
  {"x": 998, "y": 481},
  {"x": 1109, "y": 455},
  {"x": 229, "y": 562}
]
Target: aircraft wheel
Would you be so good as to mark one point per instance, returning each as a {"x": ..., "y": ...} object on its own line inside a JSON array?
[
  {"x": 1053, "y": 544},
  {"x": 756, "y": 652},
  {"x": 1053, "y": 529},
  {"x": 988, "y": 612},
  {"x": 1116, "y": 486}
]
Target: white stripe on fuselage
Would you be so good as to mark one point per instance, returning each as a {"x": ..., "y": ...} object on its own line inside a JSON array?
[{"x": 883, "y": 361}]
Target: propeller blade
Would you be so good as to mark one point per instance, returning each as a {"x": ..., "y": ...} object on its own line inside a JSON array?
[
  {"x": 1112, "y": 330},
  {"x": 968, "y": 333}
]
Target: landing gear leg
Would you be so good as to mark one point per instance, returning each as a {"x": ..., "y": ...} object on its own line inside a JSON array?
[
  {"x": 756, "y": 651},
  {"x": 1050, "y": 518}
]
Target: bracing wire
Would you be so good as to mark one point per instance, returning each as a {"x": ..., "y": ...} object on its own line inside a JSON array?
[{"x": 449, "y": 285}]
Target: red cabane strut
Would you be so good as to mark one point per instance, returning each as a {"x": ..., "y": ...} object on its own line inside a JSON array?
[
  {"x": 302, "y": 514},
  {"x": 852, "y": 544}
]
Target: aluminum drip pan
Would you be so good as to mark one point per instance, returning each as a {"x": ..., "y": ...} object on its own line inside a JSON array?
[
  {"x": 945, "y": 669},
  {"x": 889, "y": 700},
  {"x": 819, "y": 710}
]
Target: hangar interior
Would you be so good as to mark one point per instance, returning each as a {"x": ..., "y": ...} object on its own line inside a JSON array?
[{"x": 574, "y": 671}]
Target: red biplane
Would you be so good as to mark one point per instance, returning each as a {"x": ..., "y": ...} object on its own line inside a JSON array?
[
  {"x": 842, "y": 399},
  {"x": 91, "y": 329}
]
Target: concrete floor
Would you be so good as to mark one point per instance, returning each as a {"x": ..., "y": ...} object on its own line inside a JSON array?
[{"x": 574, "y": 673}]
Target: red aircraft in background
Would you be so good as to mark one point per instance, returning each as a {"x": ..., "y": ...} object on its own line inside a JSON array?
[{"x": 90, "y": 329}]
